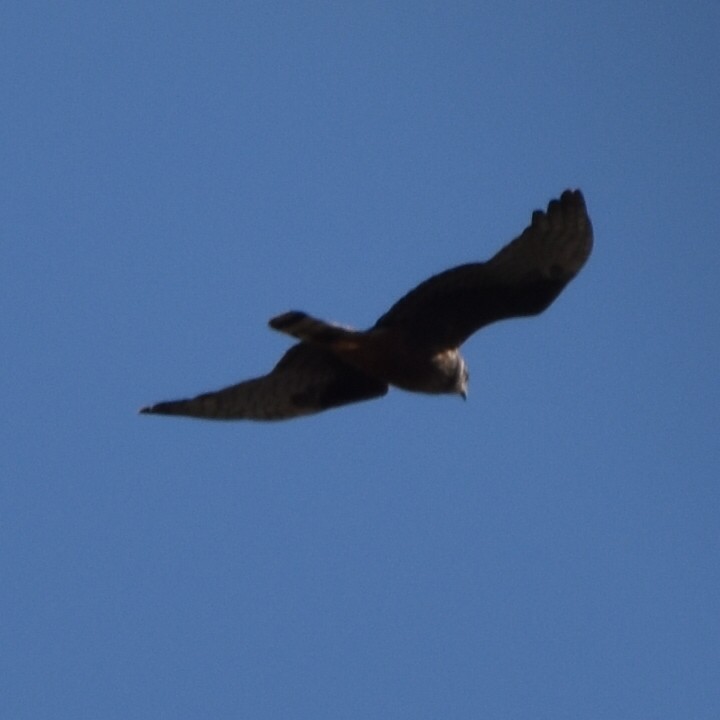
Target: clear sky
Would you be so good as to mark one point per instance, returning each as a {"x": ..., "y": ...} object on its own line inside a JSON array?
[{"x": 172, "y": 175}]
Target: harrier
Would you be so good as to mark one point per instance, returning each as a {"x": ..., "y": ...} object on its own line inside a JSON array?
[{"x": 415, "y": 344}]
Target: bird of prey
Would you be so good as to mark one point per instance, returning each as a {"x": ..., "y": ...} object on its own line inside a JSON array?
[{"x": 415, "y": 344}]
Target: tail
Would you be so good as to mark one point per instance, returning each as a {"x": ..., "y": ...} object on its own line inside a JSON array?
[{"x": 318, "y": 332}]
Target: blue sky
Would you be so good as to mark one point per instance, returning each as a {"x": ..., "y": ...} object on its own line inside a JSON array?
[{"x": 173, "y": 175}]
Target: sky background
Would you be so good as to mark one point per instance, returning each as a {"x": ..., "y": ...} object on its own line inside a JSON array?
[{"x": 172, "y": 175}]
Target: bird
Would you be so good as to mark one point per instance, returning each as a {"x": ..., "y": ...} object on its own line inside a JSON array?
[{"x": 415, "y": 345}]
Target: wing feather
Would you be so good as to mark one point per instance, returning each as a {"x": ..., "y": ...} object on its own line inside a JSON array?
[
  {"x": 307, "y": 380},
  {"x": 522, "y": 279}
]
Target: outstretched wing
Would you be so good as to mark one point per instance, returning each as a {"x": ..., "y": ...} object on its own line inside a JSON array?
[
  {"x": 522, "y": 279},
  {"x": 307, "y": 379}
]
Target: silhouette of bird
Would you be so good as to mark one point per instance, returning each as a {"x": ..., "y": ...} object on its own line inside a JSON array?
[{"x": 415, "y": 344}]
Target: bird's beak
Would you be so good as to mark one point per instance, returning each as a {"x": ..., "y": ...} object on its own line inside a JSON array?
[{"x": 463, "y": 394}]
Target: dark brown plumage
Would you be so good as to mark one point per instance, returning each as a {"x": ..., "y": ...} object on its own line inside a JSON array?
[{"x": 415, "y": 344}]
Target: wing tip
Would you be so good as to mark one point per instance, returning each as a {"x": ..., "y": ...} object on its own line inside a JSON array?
[
  {"x": 570, "y": 198},
  {"x": 172, "y": 407},
  {"x": 572, "y": 193},
  {"x": 574, "y": 197},
  {"x": 156, "y": 409}
]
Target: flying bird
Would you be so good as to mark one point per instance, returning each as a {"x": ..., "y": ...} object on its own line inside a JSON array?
[{"x": 415, "y": 344}]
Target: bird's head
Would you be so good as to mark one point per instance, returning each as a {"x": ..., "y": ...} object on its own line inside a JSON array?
[
  {"x": 462, "y": 378},
  {"x": 450, "y": 374}
]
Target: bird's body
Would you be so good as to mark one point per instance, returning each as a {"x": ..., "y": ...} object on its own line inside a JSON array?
[
  {"x": 415, "y": 345},
  {"x": 380, "y": 352}
]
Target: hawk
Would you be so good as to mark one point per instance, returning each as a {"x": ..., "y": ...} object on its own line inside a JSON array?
[{"x": 415, "y": 344}]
